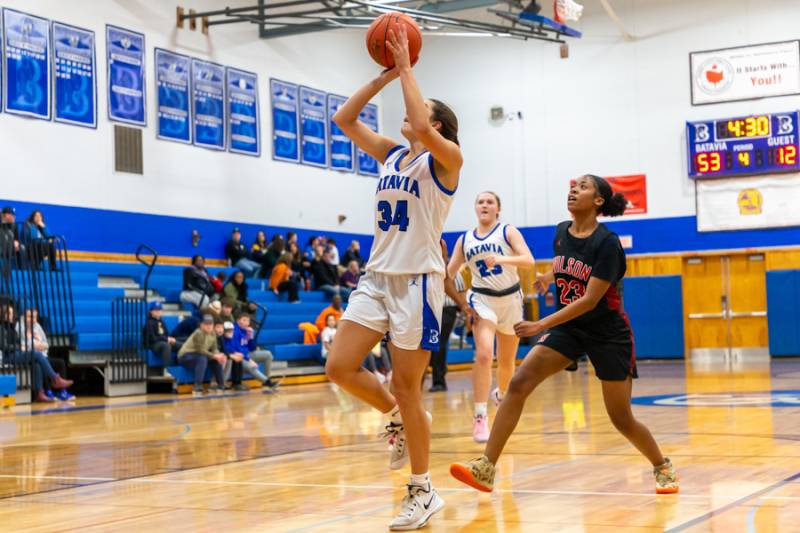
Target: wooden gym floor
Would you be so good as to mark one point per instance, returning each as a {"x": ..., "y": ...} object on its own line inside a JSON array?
[{"x": 307, "y": 459}]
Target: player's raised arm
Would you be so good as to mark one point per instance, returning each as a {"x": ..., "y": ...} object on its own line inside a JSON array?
[{"x": 346, "y": 117}]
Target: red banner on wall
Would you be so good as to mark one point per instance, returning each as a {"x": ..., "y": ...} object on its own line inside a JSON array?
[{"x": 635, "y": 190}]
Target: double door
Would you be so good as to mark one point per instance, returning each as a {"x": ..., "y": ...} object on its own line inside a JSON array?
[{"x": 725, "y": 304}]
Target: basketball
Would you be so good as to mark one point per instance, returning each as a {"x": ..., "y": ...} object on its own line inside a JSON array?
[{"x": 378, "y": 32}]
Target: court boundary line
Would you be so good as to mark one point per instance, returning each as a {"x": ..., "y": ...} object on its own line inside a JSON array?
[
  {"x": 716, "y": 512},
  {"x": 577, "y": 493}
]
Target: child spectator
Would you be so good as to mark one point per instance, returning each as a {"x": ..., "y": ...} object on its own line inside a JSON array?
[
  {"x": 200, "y": 351},
  {"x": 281, "y": 279},
  {"x": 243, "y": 343},
  {"x": 237, "y": 255},
  {"x": 156, "y": 339},
  {"x": 328, "y": 334},
  {"x": 218, "y": 281},
  {"x": 34, "y": 339},
  {"x": 233, "y": 368},
  {"x": 351, "y": 276},
  {"x": 197, "y": 287},
  {"x": 353, "y": 253},
  {"x": 235, "y": 291}
]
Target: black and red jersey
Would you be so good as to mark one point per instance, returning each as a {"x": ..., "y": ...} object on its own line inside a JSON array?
[{"x": 575, "y": 261}]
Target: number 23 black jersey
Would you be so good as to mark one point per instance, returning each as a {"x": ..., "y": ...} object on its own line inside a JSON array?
[{"x": 576, "y": 261}]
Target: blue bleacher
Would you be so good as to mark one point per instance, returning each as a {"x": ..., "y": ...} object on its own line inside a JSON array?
[{"x": 280, "y": 333}]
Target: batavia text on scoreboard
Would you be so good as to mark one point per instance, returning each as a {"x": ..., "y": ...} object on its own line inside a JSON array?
[{"x": 742, "y": 146}]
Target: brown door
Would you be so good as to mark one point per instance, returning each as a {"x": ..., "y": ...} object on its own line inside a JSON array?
[{"x": 725, "y": 303}]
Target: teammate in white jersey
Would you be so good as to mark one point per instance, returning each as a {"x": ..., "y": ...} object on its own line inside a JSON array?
[
  {"x": 493, "y": 252},
  {"x": 402, "y": 291}
]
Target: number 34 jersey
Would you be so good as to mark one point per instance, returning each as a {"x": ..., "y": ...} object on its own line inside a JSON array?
[
  {"x": 575, "y": 262},
  {"x": 411, "y": 206},
  {"x": 477, "y": 249}
]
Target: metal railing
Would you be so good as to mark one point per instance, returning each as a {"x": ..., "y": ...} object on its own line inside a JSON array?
[
  {"x": 128, "y": 361},
  {"x": 34, "y": 274},
  {"x": 128, "y": 317},
  {"x": 46, "y": 263}
]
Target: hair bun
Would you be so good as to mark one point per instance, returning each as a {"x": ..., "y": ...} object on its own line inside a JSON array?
[{"x": 615, "y": 206}]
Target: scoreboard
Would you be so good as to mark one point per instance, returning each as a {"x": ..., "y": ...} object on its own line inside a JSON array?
[{"x": 742, "y": 146}]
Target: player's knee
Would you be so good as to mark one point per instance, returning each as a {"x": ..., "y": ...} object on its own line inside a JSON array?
[
  {"x": 483, "y": 357},
  {"x": 519, "y": 386},
  {"x": 335, "y": 372},
  {"x": 623, "y": 420},
  {"x": 406, "y": 393}
]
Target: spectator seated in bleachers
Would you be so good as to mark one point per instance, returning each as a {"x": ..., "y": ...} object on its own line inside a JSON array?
[
  {"x": 14, "y": 353},
  {"x": 235, "y": 292},
  {"x": 333, "y": 253},
  {"x": 9, "y": 229},
  {"x": 276, "y": 249},
  {"x": 246, "y": 344},
  {"x": 218, "y": 282},
  {"x": 197, "y": 287},
  {"x": 36, "y": 235},
  {"x": 283, "y": 279},
  {"x": 200, "y": 352},
  {"x": 34, "y": 339},
  {"x": 156, "y": 338},
  {"x": 240, "y": 347},
  {"x": 327, "y": 335},
  {"x": 353, "y": 253},
  {"x": 311, "y": 331},
  {"x": 258, "y": 251},
  {"x": 325, "y": 275},
  {"x": 238, "y": 256},
  {"x": 297, "y": 265},
  {"x": 351, "y": 276}
]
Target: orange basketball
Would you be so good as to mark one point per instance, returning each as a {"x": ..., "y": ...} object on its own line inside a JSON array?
[{"x": 378, "y": 32}]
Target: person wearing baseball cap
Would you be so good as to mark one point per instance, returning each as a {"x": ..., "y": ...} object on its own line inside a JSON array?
[
  {"x": 200, "y": 351},
  {"x": 9, "y": 232},
  {"x": 156, "y": 338}
]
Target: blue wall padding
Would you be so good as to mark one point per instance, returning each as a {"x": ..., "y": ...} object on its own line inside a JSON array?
[
  {"x": 783, "y": 312},
  {"x": 654, "y": 305}
]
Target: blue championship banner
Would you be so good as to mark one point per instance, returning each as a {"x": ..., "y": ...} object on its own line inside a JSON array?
[
  {"x": 127, "y": 97},
  {"x": 75, "y": 75},
  {"x": 341, "y": 146},
  {"x": 313, "y": 126},
  {"x": 208, "y": 104},
  {"x": 173, "y": 73},
  {"x": 283, "y": 99},
  {"x": 366, "y": 164},
  {"x": 243, "y": 126},
  {"x": 26, "y": 87}
]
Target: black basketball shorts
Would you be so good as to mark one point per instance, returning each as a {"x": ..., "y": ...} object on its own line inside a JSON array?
[{"x": 613, "y": 358}]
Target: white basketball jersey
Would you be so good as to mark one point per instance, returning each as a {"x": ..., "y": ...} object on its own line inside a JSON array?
[
  {"x": 477, "y": 249},
  {"x": 411, "y": 206}
]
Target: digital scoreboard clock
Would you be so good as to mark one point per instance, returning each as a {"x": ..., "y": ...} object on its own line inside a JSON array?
[{"x": 758, "y": 144}]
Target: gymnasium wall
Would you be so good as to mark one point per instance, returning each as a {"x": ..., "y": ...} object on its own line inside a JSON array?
[
  {"x": 183, "y": 186},
  {"x": 613, "y": 107}
]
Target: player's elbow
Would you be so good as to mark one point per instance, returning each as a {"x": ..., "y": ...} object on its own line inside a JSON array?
[{"x": 341, "y": 120}]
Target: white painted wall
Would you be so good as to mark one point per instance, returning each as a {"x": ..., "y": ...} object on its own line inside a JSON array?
[
  {"x": 613, "y": 108},
  {"x": 61, "y": 164}
]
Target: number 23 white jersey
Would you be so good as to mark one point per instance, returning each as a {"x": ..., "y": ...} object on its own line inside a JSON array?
[
  {"x": 411, "y": 206},
  {"x": 477, "y": 249}
]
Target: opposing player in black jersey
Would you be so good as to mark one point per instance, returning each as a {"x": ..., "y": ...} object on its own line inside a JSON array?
[{"x": 588, "y": 264}]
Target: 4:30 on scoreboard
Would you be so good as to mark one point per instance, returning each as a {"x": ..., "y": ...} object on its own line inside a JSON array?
[{"x": 741, "y": 146}]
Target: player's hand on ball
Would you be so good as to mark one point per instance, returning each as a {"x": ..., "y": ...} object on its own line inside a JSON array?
[
  {"x": 388, "y": 75},
  {"x": 528, "y": 329},
  {"x": 398, "y": 46}
]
